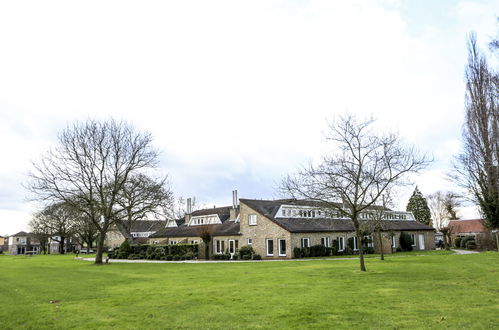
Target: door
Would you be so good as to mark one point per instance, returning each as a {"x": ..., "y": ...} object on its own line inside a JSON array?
[
  {"x": 421, "y": 241},
  {"x": 232, "y": 247}
]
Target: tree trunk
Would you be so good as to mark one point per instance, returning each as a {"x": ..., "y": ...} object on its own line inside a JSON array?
[
  {"x": 100, "y": 248},
  {"x": 380, "y": 237},
  {"x": 61, "y": 245},
  {"x": 361, "y": 252},
  {"x": 497, "y": 239}
]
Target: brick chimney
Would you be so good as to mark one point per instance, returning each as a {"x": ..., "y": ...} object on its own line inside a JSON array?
[
  {"x": 188, "y": 211},
  {"x": 234, "y": 210}
]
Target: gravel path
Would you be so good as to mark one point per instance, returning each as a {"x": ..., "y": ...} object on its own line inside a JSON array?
[{"x": 464, "y": 251}]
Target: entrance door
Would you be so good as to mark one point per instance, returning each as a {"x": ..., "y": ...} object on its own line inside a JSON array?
[
  {"x": 232, "y": 247},
  {"x": 421, "y": 241}
]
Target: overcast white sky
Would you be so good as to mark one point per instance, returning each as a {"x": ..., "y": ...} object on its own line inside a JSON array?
[{"x": 236, "y": 93}]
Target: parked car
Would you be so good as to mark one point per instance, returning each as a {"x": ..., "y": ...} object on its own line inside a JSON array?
[{"x": 84, "y": 250}]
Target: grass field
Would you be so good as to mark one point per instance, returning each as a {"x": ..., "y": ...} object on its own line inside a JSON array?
[{"x": 433, "y": 291}]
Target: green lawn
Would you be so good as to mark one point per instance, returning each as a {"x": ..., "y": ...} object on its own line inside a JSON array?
[{"x": 433, "y": 291}]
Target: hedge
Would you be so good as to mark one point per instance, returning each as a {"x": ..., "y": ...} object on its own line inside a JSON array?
[{"x": 155, "y": 252}]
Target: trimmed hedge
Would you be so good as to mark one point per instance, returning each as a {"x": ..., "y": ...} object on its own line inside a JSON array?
[
  {"x": 405, "y": 241},
  {"x": 155, "y": 252}
]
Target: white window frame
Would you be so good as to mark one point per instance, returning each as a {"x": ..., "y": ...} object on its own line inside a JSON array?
[
  {"x": 252, "y": 219},
  {"x": 267, "y": 240},
  {"x": 413, "y": 238},
  {"x": 279, "y": 247},
  {"x": 355, "y": 243},
  {"x": 394, "y": 241},
  {"x": 369, "y": 238},
  {"x": 249, "y": 241},
  {"x": 219, "y": 246},
  {"x": 341, "y": 243},
  {"x": 303, "y": 240},
  {"x": 326, "y": 241}
]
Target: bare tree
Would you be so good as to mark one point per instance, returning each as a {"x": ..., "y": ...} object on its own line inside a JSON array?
[
  {"x": 60, "y": 219},
  {"x": 142, "y": 197},
  {"x": 89, "y": 167},
  {"x": 85, "y": 231},
  {"x": 205, "y": 232},
  {"x": 376, "y": 222},
  {"x": 41, "y": 231},
  {"x": 355, "y": 176},
  {"x": 443, "y": 207},
  {"x": 477, "y": 167}
]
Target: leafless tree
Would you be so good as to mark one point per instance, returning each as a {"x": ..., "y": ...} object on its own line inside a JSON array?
[
  {"x": 60, "y": 219},
  {"x": 355, "y": 176},
  {"x": 205, "y": 232},
  {"x": 443, "y": 207},
  {"x": 89, "y": 167},
  {"x": 85, "y": 231},
  {"x": 376, "y": 223},
  {"x": 477, "y": 167},
  {"x": 142, "y": 197},
  {"x": 41, "y": 231}
]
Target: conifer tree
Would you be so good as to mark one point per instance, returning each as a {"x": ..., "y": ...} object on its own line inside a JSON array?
[{"x": 419, "y": 207}]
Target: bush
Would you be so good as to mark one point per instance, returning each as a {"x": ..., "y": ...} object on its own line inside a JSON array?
[
  {"x": 486, "y": 241},
  {"x": 465, "y": 240},
  {"x": 176, "y": 258},
  {"x": 236, "y": 256},
  {"x": 246, "y": 257},
  {"x": 297, "y": 253},
  {"x": 350, "y": 243},
  {"x": 124, "y": 250},
  {"x": 369, "y": 250},
  {"x": 457, "y": 242},
  {"x": 169, "y": 257},
  {"x": 470, "y": 245},
  {"x": 246, "y": 250},
  {"x": 257, "y": 257},
  {"x": 189, "y": 255},
  {"x": 317, "y": 250},
  {"x": 405, "y": 241}
]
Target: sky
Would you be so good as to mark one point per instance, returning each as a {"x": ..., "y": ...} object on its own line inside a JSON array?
[{"x": 237, "y": 94}]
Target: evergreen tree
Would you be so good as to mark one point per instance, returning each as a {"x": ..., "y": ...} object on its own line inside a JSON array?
[{"x": 419, "y": 207}]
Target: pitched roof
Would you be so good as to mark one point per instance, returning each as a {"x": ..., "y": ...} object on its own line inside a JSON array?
[
  {"x": 21, "y": 233},
  {"x": 147, "y": 225},
  {"x": 467, "y": 226},
  {"x": 303, "y": 225},
  {"x": 227, "y": 228}
]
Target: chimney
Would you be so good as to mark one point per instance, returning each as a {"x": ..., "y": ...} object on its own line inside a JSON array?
[
  {"x": 233, "y": 213},
  {"x": 188, "y": 211}
]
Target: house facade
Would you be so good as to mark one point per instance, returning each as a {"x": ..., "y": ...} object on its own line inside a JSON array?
[
  {"x": 140, "y": 231},
  {"x": 462, "y": 228},
  {"x": 23, "y": 243},
  {"x": 275, "y": 227}
]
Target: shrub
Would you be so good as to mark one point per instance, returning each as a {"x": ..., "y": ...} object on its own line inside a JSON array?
[
  {"x": 405, "y": 241},
  {"x": 246, "y": 250},
  {"x": 471, "y": 245},
  {"x": 465, "y": 240},
  {"x": 350, "y": 243},
  {"x": 246, "y": 257},
  {"x": 237, "y": 256},
  {"x": 335, "y": 247},
  {"x": 189, "y": 255},
  {"x": 297, "y": 252},
  {"x": 257, "y": 257},
  {"x": 369, "y": 250},
  {"x": 486, "y": 241},
  {"x": 124, "y": 250},
  {"x": 457, "y": 242},
  {"x": 347, "y": 251},
  {"x": 169, "y": 257},
  {"x": 317, "y": 250},
  {"x": 176, "y": 258}
]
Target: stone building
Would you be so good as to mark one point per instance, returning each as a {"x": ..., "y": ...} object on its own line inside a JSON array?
[
  {"x": 275, "y": 227},
  {"x": 140, "y": 230},
  {"x": 23, "y": 243}
]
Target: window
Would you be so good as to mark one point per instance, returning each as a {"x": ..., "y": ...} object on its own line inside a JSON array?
[
  {"x": 369, "y": 240},
  {"x": 282, "y": 247},
  {"x": 355, "y": 243},
  {"x": 252, "y": 219},
  {"x": 194, "y": 241},
  {"x": 305, "y": 242},
  {"x": 394, "y": 241},
  {"x": 270, "y": 247},
  {"x": 219, "y": 246},
  {"x": 413, "y": 240},
  {"x": 341, "y": 243},
  {"x": 325, "y": 241},
  {"x": 249, "y": 241}
]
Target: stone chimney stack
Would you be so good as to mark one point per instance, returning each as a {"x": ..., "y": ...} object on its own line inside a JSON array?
[
  {"x": 234, "y": 210},
  {"x": 188, "y": 211}
]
